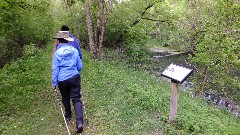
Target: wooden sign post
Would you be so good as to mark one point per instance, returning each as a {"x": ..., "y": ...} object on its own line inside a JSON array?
[
  {"x": 173, "y": 101},
  {"x": 177, "y": 74}
]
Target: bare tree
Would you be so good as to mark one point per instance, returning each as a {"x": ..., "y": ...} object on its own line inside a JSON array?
[{"x": 96, "y": 37}]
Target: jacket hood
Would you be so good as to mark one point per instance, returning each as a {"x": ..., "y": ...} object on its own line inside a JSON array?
[{"x": 66, "y": 52}]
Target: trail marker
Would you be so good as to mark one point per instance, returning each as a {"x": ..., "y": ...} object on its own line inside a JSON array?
[{"x": 177, "y": 74}]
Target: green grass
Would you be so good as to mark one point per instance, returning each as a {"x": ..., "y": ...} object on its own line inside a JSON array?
[
  {"x": 119, "y": 100},
  {"x": 27, "y": 101},
  {"x": 126, "y": 100},
  {"x": 129, "y": 101}
]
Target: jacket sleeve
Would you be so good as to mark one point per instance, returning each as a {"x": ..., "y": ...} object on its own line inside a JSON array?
[
  {"x": 79, "y": 63},
  {"x": 55, "y": 70},
  {"x": 77, "y": 46},
  {"x": 79, "y": 51}
]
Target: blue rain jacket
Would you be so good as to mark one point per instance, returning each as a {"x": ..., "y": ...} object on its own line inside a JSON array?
[
  {"x": 65, "y": 64},
  {"x": 75, "y": 44}
]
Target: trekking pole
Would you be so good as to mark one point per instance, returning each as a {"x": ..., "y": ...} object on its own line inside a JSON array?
[
  {"x": 84, "y": 107},
  {"x": 60, "y": 105}
]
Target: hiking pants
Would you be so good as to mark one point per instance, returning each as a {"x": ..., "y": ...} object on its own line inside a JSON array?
[{"x": 70, "y": 89}]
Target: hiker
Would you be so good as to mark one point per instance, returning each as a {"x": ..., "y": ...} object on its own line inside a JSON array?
[
  {"x": 74, "y": 43},
  {"x": 66, "y": 65}
]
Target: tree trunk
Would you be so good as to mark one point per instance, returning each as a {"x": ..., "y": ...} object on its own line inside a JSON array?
[
  {"x": 90, "y": 29},
  {"x": 97, "y": 29},
  {"x": 205, "y": 73},
  {"x": 104, "y": 21},
  {"x": 96, "y": 37},
  {"x": 76, "y": 22},
  {"x": 65, "y": 5}
]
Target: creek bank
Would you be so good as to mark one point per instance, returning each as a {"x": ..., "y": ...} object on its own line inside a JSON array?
[{"x": 162, "y": 57}]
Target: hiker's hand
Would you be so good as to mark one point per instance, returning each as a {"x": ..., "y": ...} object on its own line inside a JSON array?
[{"x": 53, "y": 88}]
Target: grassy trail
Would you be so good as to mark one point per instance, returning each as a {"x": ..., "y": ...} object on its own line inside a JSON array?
[
  {"x": 29, "y": 104},
  {"x": 119, "y": 100},
  {"x": 34, "y": 108}
]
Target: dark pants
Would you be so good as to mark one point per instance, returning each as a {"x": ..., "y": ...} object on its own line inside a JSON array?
[{"x": 70, "y": 89}]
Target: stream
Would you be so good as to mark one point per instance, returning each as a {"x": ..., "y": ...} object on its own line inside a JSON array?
[{"x": 163, "y": 59}]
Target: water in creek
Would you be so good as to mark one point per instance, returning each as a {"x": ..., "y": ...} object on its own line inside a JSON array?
[{"x": 162, "y": 60}]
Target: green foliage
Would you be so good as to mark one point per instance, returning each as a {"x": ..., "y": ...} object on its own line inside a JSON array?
[
  {"x": 208, "y": 30},
  {"x": 20, "y": 80},
  {"x": 220, "y": 40},
  {"x": 119, "y": 100},
  {"x": 21, "y": 23},
  {"x": 136, "y": 53},
  {"x": 202, "y": 119},
  {"x": 22, "y": 85},
  {"x": 30, "y": 50},
  {"x": 62, "y": 15},
  {"x": 119, "y": 28}
]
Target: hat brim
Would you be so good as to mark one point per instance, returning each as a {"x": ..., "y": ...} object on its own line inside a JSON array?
[{"x": 68, "y": 39}]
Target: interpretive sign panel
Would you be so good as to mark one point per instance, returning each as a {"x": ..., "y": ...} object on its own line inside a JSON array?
[{"x": 177, "y": 73}]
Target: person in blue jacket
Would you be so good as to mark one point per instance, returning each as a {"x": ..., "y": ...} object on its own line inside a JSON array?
[
  {"x": 66, "y": 65},
  {"x": 74, "y": 43}
]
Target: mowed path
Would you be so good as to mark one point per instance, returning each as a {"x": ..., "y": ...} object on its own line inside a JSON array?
[{"x": 29, "y": 102}]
